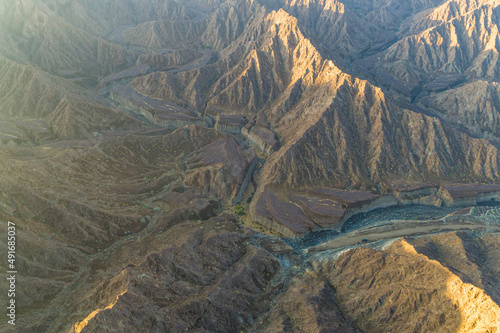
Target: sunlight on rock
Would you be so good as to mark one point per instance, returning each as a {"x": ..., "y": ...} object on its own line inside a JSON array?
[
  {"x": 79, "y": 326},
  {"x": 478, "y": 311}
]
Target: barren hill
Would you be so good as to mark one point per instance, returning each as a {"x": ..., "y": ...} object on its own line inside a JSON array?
[{"x": 251, "y": 165}]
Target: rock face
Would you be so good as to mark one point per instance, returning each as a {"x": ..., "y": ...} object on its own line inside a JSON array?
[
  {"x": 308, "y": 306},
  {"x": 230, "y": 294},
  {"x": 465, "y": 44},
  {"x": 474, "y": 106},
  {"x": 51, "y": 42},
  {"x": 367, "y": 141},
  {"x": 140, "y": 139},
  {"x": 86, "y": 199},
  {"x": 396, "y": 283},
  {"x": 334, "y": 24}
]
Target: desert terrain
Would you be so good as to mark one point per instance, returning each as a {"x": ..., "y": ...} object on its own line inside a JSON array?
[{"x": 251, "y": 165}]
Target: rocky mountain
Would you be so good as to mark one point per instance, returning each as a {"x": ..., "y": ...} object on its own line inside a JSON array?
[
  {"x": 251, "y": 165},
  {"x": 390, "y": 14},
  {"x": 464, "y": 45},
  {"x": 54, "y": 44},
  {"x": 465, "y": 308},
  {"x": 474, "y": 105},
  {"x": 445, "y": 12},
  {"x": 367, "y": 141}
]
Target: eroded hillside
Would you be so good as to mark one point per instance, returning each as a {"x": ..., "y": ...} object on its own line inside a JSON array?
[{"x": 260, "y": 166}]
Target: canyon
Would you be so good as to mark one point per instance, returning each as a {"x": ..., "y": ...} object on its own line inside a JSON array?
[{"x": 251, "y": 165}]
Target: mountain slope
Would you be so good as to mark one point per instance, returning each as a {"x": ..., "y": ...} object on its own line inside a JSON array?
[
  {"x": 474, "y": 105},
  {"x": 333, "y": 130},
  {"x": 149, "y": 150},
  {"x": 56, "y": 45}
]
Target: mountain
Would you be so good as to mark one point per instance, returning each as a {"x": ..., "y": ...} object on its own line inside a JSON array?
[
  {"x": 464, "y": 45},
  {"x": 367, "y": 141},
  {"x": 465, "y": 308},
  {"x": 474, "y": 105},
  {"x": 54, "y": 44},
  {"x": 251, "y": 165}
]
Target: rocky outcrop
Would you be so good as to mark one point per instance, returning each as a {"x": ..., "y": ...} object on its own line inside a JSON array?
[
  {"x": 263, "y": 137},
  {"x": 319, "y": 111},
  {"x": 389, "y": 14},
  {"x": 235, "y": 81},
  {"x": 475, "y": 106},
  {"x": 307, "y": 306},
  {"x": 396, "y": 143},
  {"x": 229, "y": 123},
  {"x": 445, "y": 12},
  {"x": 394, "y": 285},
  {"x": 464, "y": 45},
  {"x": 218, "y": 170},
  {"x": 258, "y": 132},
  {"x": 227, "y": 23},
  {"x": 336, "y": 26}
]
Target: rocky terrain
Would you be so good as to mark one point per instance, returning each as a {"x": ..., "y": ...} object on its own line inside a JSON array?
[{"x": 256, "y": 166}]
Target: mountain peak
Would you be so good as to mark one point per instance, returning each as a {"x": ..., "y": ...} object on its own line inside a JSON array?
[{"x": 256, "y": 166}]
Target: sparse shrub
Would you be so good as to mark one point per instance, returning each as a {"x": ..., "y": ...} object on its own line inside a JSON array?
[{"x": 239, "y": 210}]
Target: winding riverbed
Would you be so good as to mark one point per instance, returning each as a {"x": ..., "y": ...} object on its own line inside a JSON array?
[{"x": 416, "y": 216}]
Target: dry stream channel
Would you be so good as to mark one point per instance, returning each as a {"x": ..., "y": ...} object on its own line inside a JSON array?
[{"x": 379, "y": 227}]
